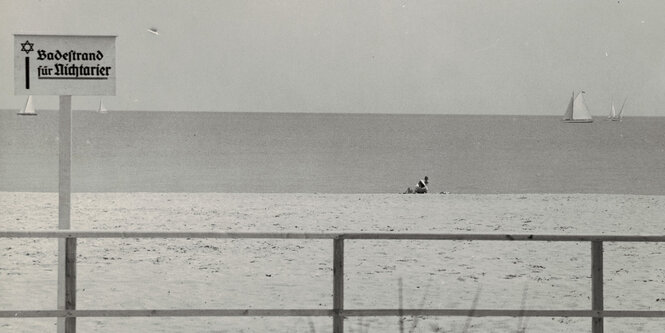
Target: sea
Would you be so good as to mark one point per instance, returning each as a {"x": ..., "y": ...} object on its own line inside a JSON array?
[{"x": 152, "y": 151}]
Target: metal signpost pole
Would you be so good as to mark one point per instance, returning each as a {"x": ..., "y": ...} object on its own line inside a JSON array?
[{"x": 66, "y": 246}]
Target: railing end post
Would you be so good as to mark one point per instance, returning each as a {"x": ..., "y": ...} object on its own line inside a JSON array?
[{"x": 338, "y": 284}]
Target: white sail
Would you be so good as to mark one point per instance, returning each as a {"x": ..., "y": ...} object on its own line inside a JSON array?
[
  {"x": 28, "y": 109},
  {"x": 102, "y": 108},
  {"x": 580, "y": 110},
  {"x": 613, "y": 113}
]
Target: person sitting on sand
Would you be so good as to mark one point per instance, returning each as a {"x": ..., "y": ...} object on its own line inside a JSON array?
[{"x": 420, "y": 188}]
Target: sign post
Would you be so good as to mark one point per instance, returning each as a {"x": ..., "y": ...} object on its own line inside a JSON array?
[
  {"x": 66, "y": 246},
  {"x": 64, "y": 66}
]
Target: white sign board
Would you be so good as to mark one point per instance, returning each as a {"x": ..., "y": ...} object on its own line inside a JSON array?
[{"x": 64, "y": 65}]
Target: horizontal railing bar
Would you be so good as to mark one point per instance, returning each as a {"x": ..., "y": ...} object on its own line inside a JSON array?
[
  {"x": 170, "y": 313},
  {"x": 506, "y": 237},
  {"x": 161, "y": 234},
  {"x": 356, "y": 236},
  {"x": 500, "y": 313},
  {"x": 329, "y": 313}
]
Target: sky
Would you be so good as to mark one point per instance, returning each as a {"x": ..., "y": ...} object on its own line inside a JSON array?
[{"x": 521, "y": 57}]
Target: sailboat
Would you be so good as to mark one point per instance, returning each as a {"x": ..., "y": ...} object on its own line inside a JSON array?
[
  {"x": 28, "y": 109},
  {"x": 614, "y": 115},
  {"x": 102, "y": 108},
  {"x": 577, "y": 111}
]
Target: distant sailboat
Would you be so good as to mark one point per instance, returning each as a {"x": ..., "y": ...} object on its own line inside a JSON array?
[
  {"x": 102, "y": 108},
  {"x": 577, "y": 111},
  {"x": 28, "y": 109},
  {"x": 614, "y": 115}
]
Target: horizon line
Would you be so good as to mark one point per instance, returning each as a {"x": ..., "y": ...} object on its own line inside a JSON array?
[{"x": 343, "y": 113}]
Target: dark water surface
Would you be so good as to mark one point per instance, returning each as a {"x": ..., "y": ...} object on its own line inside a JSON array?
[{"x": 335, "y": 153}]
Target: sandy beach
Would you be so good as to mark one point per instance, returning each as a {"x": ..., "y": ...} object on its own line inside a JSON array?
[{"x": 209, "y": 274}]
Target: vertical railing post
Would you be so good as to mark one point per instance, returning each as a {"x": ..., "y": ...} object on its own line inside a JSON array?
[
  {"x": 66, "y": 246},
  {"x": 70, "y": 283},
  {"x": 338, "y": 285},
  {"x": 597, "y": 285}
]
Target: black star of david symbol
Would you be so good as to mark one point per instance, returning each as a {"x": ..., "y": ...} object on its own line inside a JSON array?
[{"x": 27, "y": 47}]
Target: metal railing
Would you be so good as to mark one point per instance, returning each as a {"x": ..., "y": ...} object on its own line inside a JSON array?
[{"x": 338, "y": 313}]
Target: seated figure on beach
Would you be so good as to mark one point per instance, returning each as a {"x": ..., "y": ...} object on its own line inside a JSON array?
[{"x": 420, "y": 188}]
